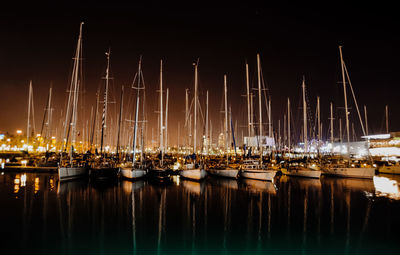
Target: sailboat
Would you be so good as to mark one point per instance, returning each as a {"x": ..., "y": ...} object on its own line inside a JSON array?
[
  {"x": 70, "y": 169},
  {"x": 225, "y": 171},
  {"x": 251, "y": 168},
  {"x": 133, "y": 170},
  {"x": 345, "y": 167},
  {"x": 193, "y": 170},
  {"x": 49, "y": 159},
  {"x": 103, "y": 167},
  {"x": 302, "y": 168},
  {"x": 160, "y": 171}
]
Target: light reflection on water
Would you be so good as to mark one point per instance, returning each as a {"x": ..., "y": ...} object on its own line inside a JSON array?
[
  {"x": 386, "y": 187},
  {"x": 216, "y": 216}
]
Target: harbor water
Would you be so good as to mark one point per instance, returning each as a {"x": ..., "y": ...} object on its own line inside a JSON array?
[{"x": 40, "y": 215}]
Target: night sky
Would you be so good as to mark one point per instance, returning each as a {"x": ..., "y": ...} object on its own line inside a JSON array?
[{"x": 38, "y": 42}]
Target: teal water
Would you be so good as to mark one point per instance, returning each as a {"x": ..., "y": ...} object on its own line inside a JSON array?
[{"x": 39, "y": 215}]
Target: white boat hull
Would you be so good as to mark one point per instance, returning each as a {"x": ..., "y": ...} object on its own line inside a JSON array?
[
  {"x": 302, "y": 172},
  {"x": 130, "y": 173},
  {"x": 352, "y": 172},
  {"x": 390, "y": 170},
  {"x": 228, "y": 173},
  {"x": 264, "y": 175},
  {"x": 193, "y": 174},
  {"x": 68, "y": 173}
]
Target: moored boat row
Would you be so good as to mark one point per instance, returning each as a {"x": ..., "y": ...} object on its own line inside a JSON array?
[{"x": 103, "y": 167}]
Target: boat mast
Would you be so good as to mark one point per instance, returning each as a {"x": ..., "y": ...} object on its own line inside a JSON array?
[
  {"x": 303, "y": 85},
  {"x": 71, "y": 97},
  {"x": 284, "y": 129},
  {"x": 89, "y": 129},
  {"x": 161, "y": 113},
  {"x": 270, "y": 134},
  {"x": 340, "y": 130},
  {"x": 288, "y": 119},
  {"x": 143, "y": 127},
  {"x": 94, "y": 120},
  {"x": 136, "y": 124},
  {"x": 248, "y": 100},
  {"x": 232, "y": 136},
  {"x": 187, "y": 116},
  {"x": 251, "y": 115},
  {"x": 211, "y": 134},
  {"x": 49, "y": 114},
  {"x": 279, "y": 134},
  {"x": 75, "y": 96},
  {"x": 259, "y": 108},
  {"x": 229, "y": 128},
  {"x": 387, "y": 118},
  {"x": 29, "y": 114},
  {"x": 166, "y": 121},
  {"x": 345, "y": 102},
  {"x": 105, "y": 104},
  {"x": 207, "y": 140},
  {"x": 226, "y": 117},
  {"x": 46, "y": 117},
  {"x": 120, "y": 119},
  {"x": 195, "y": 110},
  {"x": 366, "y": 119},
  {"x": 331, "y": 119},
  {"x": 74, "y": 117},
  {"x": 319, "y": 124}
]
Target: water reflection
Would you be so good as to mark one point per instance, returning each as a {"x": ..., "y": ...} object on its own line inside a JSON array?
[
  {"x": 194, "y": 187},
  {"x": 223, "y": 182},
  {"x": 51, "y": 182},
  {"x": 23, "y": 180},
  {"x": 353, "y": 184},
  {"x": 161, "y": 219},
  {"x": 216, "y": 216},
  {"x": 385, "y": 187},
  {"x": 16, "y": 183},
  {"x": 129, "y": 187},
  {"x": 71, "y": 186},
  {"x": 257, "y": 186},
  {"x": 37, "y": 184},
  {"x": 301, "y": 183}
]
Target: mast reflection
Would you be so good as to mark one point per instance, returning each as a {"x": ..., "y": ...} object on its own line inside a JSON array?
[{"x": 211, "y": 216}]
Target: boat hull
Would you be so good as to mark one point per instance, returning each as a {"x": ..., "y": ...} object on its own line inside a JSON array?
[
  {"x": 130, "y": 173},
  {"x": 264, "y": 175},
  {"x": 302, "y": 172},
  {"x": 390, "y": 170},
  {"x": 159, "y": 174},
  {"x": 193, "y": 174},
  {"x": 351, "y": 172},
  {"x": 69, "y": 173},
  {"x": 104, "y": 173},
  {"x": 228, "y": 173}
]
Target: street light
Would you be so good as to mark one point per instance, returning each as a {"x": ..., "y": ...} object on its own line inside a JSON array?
[{"x": 19, "y": 132}]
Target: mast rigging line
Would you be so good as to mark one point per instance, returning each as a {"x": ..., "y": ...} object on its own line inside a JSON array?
[{"x": 354, "y": 97}]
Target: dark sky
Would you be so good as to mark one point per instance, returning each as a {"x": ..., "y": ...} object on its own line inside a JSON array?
[{"x": 38, "y": 41}]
